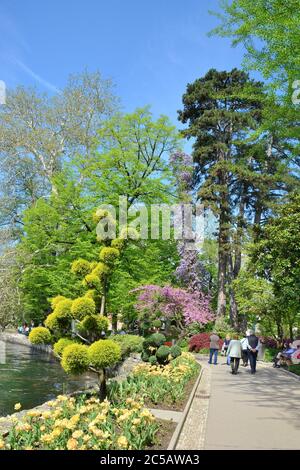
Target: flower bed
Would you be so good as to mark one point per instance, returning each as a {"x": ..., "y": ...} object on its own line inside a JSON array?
[
  {"x": 124, "y": 422},
  {"x": 84, "y": 423},
  {"x": 165, "y": 387}
]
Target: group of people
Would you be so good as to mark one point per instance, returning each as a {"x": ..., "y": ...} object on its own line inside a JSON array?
[
  {"x": 235, "y": 350},
  {"x": 26, "y": 328},
  {"x": 289, "y": 355}
]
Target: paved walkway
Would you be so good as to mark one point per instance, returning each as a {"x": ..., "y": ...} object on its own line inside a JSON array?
[{"x": 244, "y": 411}]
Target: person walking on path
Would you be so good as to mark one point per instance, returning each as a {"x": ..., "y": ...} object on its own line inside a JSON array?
[
  {"x": 225, "y": 348},
  {"x": 252, "y": 346},
  {"x": 214, "y": 348},
  {"x": 244, "y": 344},
  {"x": 235, "y": 353}
]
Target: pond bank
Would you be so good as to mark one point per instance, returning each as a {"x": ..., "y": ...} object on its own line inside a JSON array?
[{"x": 17, "y": 338}]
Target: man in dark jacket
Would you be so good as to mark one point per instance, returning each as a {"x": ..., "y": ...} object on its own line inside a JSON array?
[{"x": 252, "y": 347}]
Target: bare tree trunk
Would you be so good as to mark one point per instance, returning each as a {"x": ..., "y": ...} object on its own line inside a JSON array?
[
  {"x": 222, "y": 255},
  {"x": 233, "y": 311}
]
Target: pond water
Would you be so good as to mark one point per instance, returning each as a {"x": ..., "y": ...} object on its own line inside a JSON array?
[{"x": 32, "y": 377}]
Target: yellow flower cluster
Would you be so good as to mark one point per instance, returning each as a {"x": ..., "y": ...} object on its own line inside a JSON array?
[{"x": 83, "y": 424}]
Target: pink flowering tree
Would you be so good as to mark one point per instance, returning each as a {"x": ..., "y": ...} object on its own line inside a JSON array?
[{"x": 177, "y": 305}]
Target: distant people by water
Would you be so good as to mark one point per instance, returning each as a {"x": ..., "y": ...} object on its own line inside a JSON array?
[
  {"x": 234, "y": 351},
  {"x": 25, "y": 329},
  {"x": 214, "y": 347}
]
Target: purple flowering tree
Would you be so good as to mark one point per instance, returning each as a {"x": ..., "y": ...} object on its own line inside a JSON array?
[{"x": 178, "y": 305}]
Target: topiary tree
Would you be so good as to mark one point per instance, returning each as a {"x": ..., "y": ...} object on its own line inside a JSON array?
[
  {"x": 77, "y": 326},
  {"x": 40, "y": 335}
]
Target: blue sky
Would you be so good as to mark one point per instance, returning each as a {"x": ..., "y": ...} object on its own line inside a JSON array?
[{"x": 151, "y": 49}]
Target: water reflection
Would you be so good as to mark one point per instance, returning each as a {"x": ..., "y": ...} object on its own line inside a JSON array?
[{"x": 32, "y": 377}]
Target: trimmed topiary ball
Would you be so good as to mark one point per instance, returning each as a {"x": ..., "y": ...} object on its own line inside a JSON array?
[
  {"x": 94, "y": 323},
  {"x": 75, "y": 359},
  {"x": 101, "y": 270},
  {"x": 82, "y": 307},
  {"x": 81, "y": 267},
  {"x": 162, "y": 354},
  {"x": 40, "y": 335},
  {"x": 104, "y": 353},
  {"x": 63, "y": 309},
  {"x": 92, "y": 281},
  {"x": 61, "y": 344},
  {"x": 157, "y": 339},
  {"x": 55, "y": 301},
  {"x": 52, "y": 322},
  {"x": 99, "y": 215},
  {"x": 109, "y": 255},
  {"x": 175, "y": 351},
  {"x": 156, "y": 323}
]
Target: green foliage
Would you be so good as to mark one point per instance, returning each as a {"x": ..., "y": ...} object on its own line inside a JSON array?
[
  {"x": 52, "y": 322},
  {"x": 294, "y": 368},
  {"x": 63, "y": 309},
  {"x": 56, "y": 300},
  {"x": 152, "y": 360},
  {"x": 104, "y": 353},
  {"x": 80, "y": 267},
  {"x": 61, "y": 344},
  {"x": 118, "y": 243},
  {"x": 109, "y": 255},
  {"x": 92, "y": 281},
  {"x": 75, "y": 359},
  {"x": 175, "y": 351},
  {"x": 162, "y": 354},
  {"x": 82, "y": 307},
  {"x": 40, "y": 335},
  {"x": 95, "y": 324},
  {"x": 157, "y": 339},
  {"x": 101, "y": 270},
  {"x": 129, "y": 343},
  {"x": 156, "y": 323}
]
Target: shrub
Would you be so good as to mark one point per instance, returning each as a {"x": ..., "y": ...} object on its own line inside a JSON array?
[
  {"x": 92, "y": 281},
  {"x": 100, "y": 214},
  {"x": 81, "y": 267},
  {"x": 162, "y": 354},
  {"x": 157, "y": 339},
  {"x": 40, "y": 335},
  {"x": 94, "y": 323},
  {"x": 82, "y": 307},
  {"x": 129, "y": 343},
  {"x": 145, "y": 356},
  {"x": 75, "y": 359},
  {"x": 55, "y": 301},
  {"x": 153, "y": 360},
  {"x": 100, "y": 270},
  {"x": 61, "y": 344},
  {"x": 295, "y": 368},
  {"x": 63, "y": 310},
  {"x": 156, "y": 323},
  {"x": 109, "y": 254},
  {"x": 104, "y": 353},
  {"x": 201, "y": 341},
  {"x": 52, "y": 322},
  {"x": 175, "y": 351}
]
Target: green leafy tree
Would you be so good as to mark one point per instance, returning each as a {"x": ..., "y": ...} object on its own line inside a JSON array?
[{"x": 276, "y": 257}]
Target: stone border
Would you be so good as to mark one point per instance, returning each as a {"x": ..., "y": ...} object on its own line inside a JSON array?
[
  {"x": 174, "y": 440},
  {"x": 22, "y": 340}
]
